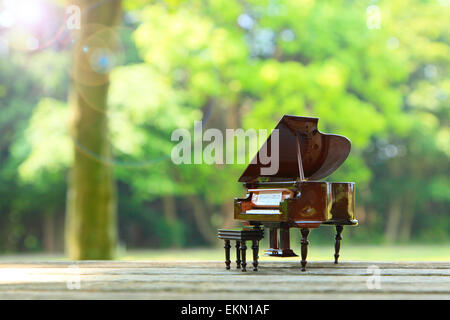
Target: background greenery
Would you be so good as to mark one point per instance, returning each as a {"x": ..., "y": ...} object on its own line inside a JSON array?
[{"x": 382, "y": 83}]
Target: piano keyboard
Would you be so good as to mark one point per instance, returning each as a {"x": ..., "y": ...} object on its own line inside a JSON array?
[
  {"x": 267, "y": 199},
  {"x": 262, "y": 211}
]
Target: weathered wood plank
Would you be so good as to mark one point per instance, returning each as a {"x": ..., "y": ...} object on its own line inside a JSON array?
[
  {"x": 279, "y": 288},
  {"x": 217, "y": 271},
  {"x": 287, "y": 263},
  {"x": 210, "y": 280},
  {"x": 84, "y": 295}
]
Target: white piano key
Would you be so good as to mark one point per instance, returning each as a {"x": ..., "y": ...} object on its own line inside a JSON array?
[{"x": 262, "y": 211}]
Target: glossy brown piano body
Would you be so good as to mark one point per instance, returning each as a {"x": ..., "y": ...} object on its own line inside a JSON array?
[
  {"x": 294, "y": 196},
  {"x": 312, "y": 204}
]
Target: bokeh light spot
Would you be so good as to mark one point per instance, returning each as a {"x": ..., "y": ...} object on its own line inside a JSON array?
[
  {"x": 392, "y": 43},
  {"x": 102, "y": 60},
  {"x": 287, "y": 35},
  {"x": 245, "y": 21},
  {"x": 430, "y": 71}
]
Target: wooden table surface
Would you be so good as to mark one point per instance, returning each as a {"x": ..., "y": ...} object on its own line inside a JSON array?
[{"x": 210, "y": 280}]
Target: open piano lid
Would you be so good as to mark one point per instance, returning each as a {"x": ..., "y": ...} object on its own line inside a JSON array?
[{"x": 321, "y": 154}]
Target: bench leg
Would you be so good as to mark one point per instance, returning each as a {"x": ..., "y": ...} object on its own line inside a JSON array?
[
  {"x": 227, "y": 254},
  {"x": 244, "y": 260},
  {"x": 255, "y": 248},
  {"x": 238, "y": 254},
  {"x": 337, "y": 243},
  {"x": 304, "y": 244}
]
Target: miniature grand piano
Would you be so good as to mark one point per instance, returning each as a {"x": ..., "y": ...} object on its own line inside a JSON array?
[{"x": 294, "y": 196}]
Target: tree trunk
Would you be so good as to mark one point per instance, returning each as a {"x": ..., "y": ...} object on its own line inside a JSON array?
[
  {"x": 169, "y": 208},
  {"x": 228, "y": 214},
  {"x": 170, "y": 214},
  {"x": 393, "y": 220},
  {"x": 91, "y": 231},
  {"x": 48, "y": 229},
  {"x": 408, "y": 216},
  {"x": 202, "y": 219}
]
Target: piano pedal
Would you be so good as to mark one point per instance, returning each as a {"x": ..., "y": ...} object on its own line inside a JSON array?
[{"x": 282, "y": 253}]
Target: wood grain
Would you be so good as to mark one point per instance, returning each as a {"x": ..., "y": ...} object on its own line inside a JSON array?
[{"x": 210, "y": 280}]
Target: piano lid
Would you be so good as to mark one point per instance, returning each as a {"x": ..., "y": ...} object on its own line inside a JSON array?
[{"x": 321, "y": 154}]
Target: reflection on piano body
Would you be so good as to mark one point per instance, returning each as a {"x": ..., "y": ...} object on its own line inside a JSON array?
[{"x": 294, "y": 196}]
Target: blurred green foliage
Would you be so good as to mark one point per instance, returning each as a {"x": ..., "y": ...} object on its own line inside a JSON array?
[{"x": 240, "y": 64}]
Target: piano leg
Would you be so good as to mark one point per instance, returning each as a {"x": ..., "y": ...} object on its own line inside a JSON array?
[
  {"x": 255, "y": 248},
  {"x": 238, "y": 254},
  {"x": 227, "y": 254},
  {"x": 337, "y": 243},
  {"x": 273, "y": 238},
  {"x": 285, "y": 243},
  {"x": 244, "y": 258},
  {"x": 304, "y": 244}
]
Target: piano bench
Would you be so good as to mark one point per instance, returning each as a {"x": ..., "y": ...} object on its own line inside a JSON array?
[{"x": 241, "y": 235}]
